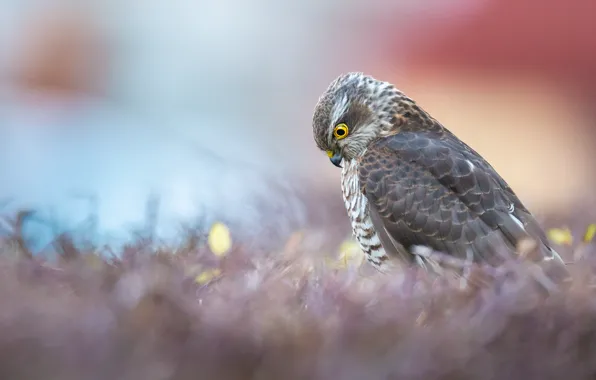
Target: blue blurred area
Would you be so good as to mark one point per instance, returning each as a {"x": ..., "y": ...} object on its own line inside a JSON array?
[{"x": 205, "y": 105}]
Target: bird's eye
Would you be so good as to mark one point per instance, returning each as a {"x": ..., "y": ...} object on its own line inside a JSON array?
[{"x": 340, "y": 131}]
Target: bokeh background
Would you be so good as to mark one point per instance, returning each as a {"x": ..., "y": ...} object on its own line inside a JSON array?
[{"x": 113, "y": 113}]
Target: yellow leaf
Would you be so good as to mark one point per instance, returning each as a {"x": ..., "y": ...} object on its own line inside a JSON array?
[
  {"x": 94, "y": 261},
  {"x": 207, "y": 276},
  {"x": 560, "y": 235},
  {"x": 350, "y": 253},
  {"x": 348, "y": 246},
  {"x": 219, "y": 239},
  {"x": 590, "y": 233}
]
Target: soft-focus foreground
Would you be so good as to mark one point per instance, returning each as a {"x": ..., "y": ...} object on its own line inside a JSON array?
[{"x": 215, "y": 309}]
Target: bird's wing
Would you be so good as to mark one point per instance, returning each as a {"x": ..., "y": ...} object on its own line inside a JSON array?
[{"x": 431, "y": 189}]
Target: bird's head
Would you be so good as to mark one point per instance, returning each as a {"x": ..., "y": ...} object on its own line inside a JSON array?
[{"x": 354, "y": 110}]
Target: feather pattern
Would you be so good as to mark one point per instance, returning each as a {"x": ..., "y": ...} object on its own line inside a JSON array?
[{"x": 431, "y": 189}]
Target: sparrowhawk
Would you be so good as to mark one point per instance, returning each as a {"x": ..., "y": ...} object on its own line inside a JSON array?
[{"x": 409, "y": 183}]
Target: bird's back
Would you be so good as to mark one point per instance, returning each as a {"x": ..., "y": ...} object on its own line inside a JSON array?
[{"x": 428, "y": 188}]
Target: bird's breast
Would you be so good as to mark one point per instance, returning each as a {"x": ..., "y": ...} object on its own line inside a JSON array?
[{"x": 356, "y": 205}]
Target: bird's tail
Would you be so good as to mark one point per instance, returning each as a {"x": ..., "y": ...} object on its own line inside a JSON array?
[
  {"x": 554, "y": 264},
  {"x": 545, "y": 256}
]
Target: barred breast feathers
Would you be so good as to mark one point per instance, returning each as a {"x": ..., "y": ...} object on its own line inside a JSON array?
[{"x": 357, "y": 207}]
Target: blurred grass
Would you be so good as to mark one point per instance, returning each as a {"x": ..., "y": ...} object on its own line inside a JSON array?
[{"x": 212, "y": 308}]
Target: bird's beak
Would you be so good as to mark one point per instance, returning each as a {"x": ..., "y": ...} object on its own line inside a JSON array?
[{"x": 335, "y": 158}]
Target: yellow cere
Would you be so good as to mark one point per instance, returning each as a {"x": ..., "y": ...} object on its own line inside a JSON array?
[
  {"x": 219, "y": 239},
  {"x": 590, "y": 233},
  {"x": 329, "y": 154},
  {"x": 560, "y": 236}
]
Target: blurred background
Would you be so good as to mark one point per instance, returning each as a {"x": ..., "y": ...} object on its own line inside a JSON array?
[{"x": 202, "y": 108}]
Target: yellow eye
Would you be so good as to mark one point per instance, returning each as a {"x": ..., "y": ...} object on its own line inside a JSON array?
[{"x": 340, "y": 131}]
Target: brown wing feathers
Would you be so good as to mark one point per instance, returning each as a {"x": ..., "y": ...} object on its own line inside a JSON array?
[{"x": 431, "y": 190}]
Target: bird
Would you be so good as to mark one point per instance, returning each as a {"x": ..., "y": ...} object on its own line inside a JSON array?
[{"x": 410, "y": 186}]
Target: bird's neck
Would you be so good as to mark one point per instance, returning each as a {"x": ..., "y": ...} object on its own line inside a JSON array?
[{"x": 415, "y": 117}]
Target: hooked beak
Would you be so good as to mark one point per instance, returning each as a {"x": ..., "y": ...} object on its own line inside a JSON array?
[{"x": 335, "y": 158}]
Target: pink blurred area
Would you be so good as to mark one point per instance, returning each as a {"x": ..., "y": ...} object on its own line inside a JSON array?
[
  {"x": 127, "y": 88},
  {"x": 517, "y": 81}
]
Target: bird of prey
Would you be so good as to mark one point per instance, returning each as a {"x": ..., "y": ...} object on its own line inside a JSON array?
[{"x": 410, "y": 185}]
